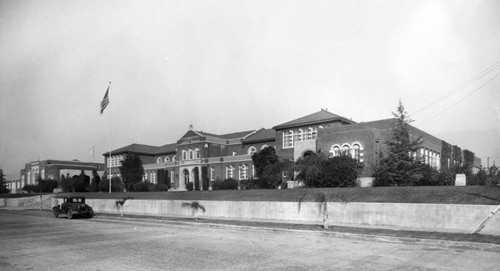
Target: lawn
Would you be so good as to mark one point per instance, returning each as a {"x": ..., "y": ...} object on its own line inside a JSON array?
[{"x": 488, "y": 195}]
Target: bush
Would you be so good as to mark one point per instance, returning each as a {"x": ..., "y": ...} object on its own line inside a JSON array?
[
  {"x": 116, "y": 184},
  {"x": 140, "y": 187},
  {"x": 247, "y": 184},
  {"x": 47, "y": 186},
  {"x": 227, "y": 184},
  {"x": 480, "y": 178},
  {"x": 161, "y": 187},
  {"x": 190, "y": 186}
]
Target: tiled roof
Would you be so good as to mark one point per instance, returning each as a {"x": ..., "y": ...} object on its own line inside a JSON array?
[
  {"x": 228, "y": 136},
  {"x": 169, "y": 148},
  {"x": 135, "y": 148},
  {"x": 261, "y": 135},
  {"x": 314, "y": 118}
]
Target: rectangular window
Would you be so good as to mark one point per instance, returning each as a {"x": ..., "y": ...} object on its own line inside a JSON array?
[
  {"x": 153, "y": 177},
  {"x": 229, "y": 172},
  {"x": 212, "y": 174},
  {"x": 287, "y": 140},
  {"x": 243, "y": 172}
]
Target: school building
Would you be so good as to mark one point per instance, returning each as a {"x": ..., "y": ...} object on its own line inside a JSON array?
[{"x": 203, "y": 158}]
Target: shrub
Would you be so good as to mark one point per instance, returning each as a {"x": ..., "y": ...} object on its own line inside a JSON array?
[
  {"x": 247, "y": 184},
  {"x": 31, "y": 188},
  {"x": 161, "y": 187},
  {"x": 190, "y": 186},
  {"x": 116, "y": 184},
  {"x": 47, "y": 186},
  {"x": 140, "y": 187},
  {"x": 227, "y": 184}
]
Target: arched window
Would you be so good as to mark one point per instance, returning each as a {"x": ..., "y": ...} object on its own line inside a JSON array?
[
  {"x": 184, "y": 155},
  {"x": 191, "y": 154},
  {"x": 197, "y": 153},
  {"x": 356, "y": 152},
  {"x": 335, "y": 151},
  {"x": 252, "y": 150},
  {"x": 167, "y": 159},
  {"x": 159, "y": 160},
  {"x": 345, "y": 149},
  {"x": 145, "y": 178}
]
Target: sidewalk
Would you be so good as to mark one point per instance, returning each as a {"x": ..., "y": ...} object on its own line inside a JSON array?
[{"x": 366, "y": 233}]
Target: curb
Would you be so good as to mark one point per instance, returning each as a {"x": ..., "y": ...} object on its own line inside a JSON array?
[
  {"x": 448, "y": 244},
  {"x": 353, "y": 236}
]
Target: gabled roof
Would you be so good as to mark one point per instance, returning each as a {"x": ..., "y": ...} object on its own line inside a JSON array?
[
  {"x": 135, "y": 148},
  {"x": 262, "y": 135},
  {"x": 236, "y": 135},
  {"x": 322, "y": 116}
]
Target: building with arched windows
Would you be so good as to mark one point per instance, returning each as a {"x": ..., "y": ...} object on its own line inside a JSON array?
[{"x": 201, "y": 158}]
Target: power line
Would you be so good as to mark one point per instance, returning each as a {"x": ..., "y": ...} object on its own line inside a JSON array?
[
  {"x": 462, "y": 86},
  {"x": 463, "y": 98}
]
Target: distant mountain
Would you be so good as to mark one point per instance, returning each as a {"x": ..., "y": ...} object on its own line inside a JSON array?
[{"x": 483, "y": 143}]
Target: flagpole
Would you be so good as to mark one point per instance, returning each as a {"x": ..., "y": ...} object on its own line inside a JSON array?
[{"x": 110, "y": 137}]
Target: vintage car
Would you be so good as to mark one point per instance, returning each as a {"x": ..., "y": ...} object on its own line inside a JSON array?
[{"x": 73, "y": 206}]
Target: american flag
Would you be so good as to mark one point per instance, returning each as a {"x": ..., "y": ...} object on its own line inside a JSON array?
[{"x": 105, "y": 100}]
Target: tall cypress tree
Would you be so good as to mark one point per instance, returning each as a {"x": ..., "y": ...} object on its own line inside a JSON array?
[
  {"x": 401, "y": 166},
  {"x": 3, "y": 183},
  {"x": 131, "y": 170}
]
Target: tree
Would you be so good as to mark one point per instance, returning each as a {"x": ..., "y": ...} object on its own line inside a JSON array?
[
  {"x": 317, "y": 170},
  {"x": 120, "y": 202},
  {"x": 131, "y": 171},
  {"x": 68, "y": 184},
  {"x": 116, "y": 184},
  {"x": 195, "y": 207},
  {"x": 322, "y": 199},
  {"x": 309, "y": 169},
  {"x": 94, "y": 185},
  {"x": 267, "y": 167},
  {"x": 3, "y": 183},
  {"x": 400, "y": 166}
]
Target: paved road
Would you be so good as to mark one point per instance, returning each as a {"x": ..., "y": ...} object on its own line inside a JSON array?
[{"x": 39, "y": 242}]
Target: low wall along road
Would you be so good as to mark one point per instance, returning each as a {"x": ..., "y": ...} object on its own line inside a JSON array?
[{"x": 424, "y": 217}]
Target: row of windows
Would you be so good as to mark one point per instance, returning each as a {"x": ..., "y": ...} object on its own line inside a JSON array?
[
  {"x": 160, "y": 160},
  {"x": 242, "y": 172},
  {"x": 354, "y": 151},
  {"x": 191, "y": 154},
  {"x": 431, "y": 158},
  {"x": 115, "y": 161},
  {"x": 290, "y": 137},
  {"x": 195, "y": 154}
]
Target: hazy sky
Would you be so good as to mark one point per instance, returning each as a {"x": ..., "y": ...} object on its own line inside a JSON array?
[{"x": 226, "y": 66}]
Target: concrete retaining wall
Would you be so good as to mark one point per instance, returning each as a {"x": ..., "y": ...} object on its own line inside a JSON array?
[
  {"x": 33, "y": 201},
  {"x": 432, "y": 217}
]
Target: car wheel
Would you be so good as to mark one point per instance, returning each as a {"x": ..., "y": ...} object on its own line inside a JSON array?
[
  {"x": 90, "y": 213},
  {"x": 70, "y": 213}
]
